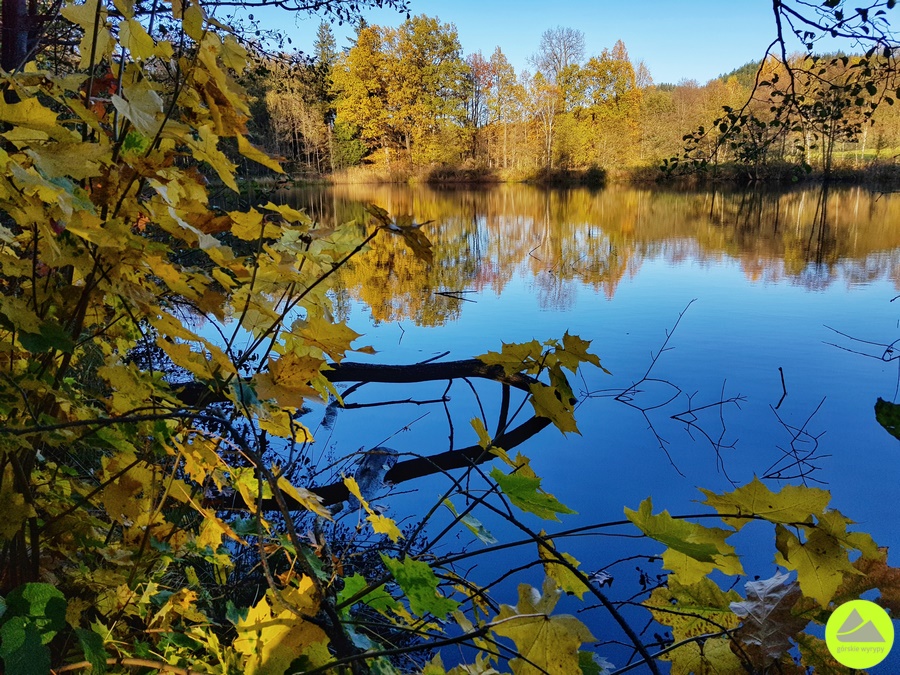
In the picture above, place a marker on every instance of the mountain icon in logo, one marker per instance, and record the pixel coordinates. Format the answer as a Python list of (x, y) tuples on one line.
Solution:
[(856, 629)]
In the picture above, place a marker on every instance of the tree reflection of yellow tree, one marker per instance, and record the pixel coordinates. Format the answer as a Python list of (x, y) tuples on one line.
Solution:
[(564, 240)]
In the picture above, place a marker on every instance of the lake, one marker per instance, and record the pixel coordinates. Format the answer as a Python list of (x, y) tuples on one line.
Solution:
[(773, 370)]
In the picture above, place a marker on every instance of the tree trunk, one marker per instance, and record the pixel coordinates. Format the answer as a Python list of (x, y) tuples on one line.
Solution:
[(16, 26), (505, 137)]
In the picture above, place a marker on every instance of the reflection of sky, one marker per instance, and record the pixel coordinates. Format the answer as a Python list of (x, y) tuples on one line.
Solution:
[(732, 339)]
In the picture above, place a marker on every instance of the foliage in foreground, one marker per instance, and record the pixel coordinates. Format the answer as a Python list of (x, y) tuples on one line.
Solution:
[(156, 356)]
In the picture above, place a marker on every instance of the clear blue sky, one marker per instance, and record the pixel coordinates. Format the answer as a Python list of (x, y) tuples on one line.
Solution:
[(677, 40)]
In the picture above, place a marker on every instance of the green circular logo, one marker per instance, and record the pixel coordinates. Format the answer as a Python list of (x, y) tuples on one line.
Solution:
[(859, 634)]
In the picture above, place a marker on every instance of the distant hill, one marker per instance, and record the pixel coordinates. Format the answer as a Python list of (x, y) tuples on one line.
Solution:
[(745, 74)]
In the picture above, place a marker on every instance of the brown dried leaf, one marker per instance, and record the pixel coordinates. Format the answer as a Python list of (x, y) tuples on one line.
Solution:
[(768, 623), (876, 573)]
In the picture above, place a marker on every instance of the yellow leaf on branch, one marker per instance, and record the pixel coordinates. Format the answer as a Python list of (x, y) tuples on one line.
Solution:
[(269, 639), (12, 505), (136, 39), (549, 643), (251, 152), (309, 500), (380, 524), (97, 41)]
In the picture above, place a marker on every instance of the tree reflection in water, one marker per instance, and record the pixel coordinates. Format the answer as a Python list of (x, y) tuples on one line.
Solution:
[(565, 239)]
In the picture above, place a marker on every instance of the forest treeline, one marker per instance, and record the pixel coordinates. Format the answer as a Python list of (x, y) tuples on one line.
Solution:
[(408, 102)]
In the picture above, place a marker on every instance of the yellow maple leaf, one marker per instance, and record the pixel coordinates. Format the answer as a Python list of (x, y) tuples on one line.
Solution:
[(251, 152), (791, 504), (549, 643), (96, 41), (206, 149), (548, 403), (820, 562), (142, 106), (309, 500), (250, 226), (287, 397), (380, 524), (332, 338), (282, 424), (712, 657), (192, 19), (136, 40), (688, 570), (295, 372), (693, 609), (561, 575), (12, 505), (270, 639)]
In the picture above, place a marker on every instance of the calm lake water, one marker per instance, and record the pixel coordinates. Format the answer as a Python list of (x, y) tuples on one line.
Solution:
[(765, 281)]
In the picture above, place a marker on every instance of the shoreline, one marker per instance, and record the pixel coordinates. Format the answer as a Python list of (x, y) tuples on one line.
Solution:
[(730, 175)]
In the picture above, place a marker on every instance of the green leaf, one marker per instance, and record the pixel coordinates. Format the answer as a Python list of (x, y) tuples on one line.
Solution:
[(887, 414), (234, 613), (378, 599), (588, 665), (314, 562), (135, 143), (693, 540), (21, 648), (94, 651), (42, 604), (418, 582), (525, 492), (52, 336), (792, 504), (474, 525)]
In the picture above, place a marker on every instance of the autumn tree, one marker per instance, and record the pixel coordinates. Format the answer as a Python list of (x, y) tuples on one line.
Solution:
[(404, 88), (479, 80), (559, 49), (429, 85), (503, 101), (612, 107), (556, 85), (299, 110), (360, 82), (544, 100), (820, 98)]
